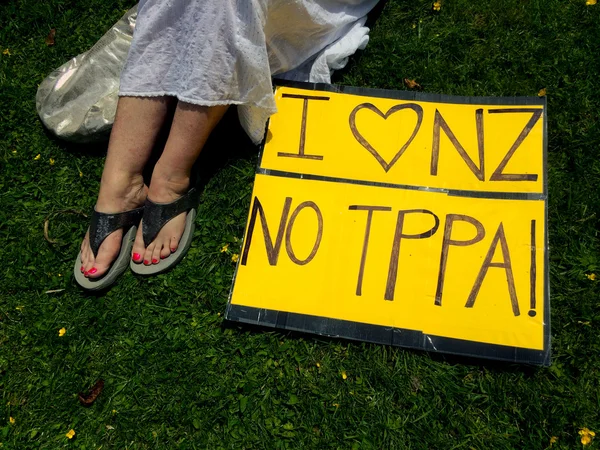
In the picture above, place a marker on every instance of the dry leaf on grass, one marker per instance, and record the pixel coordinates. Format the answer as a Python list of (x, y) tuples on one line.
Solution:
[(46, 225), (50, 37), (52, 216), (87, 400), (412, 84)]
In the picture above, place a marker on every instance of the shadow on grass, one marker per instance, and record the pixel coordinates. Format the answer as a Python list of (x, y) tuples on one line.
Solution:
[(227, 143)]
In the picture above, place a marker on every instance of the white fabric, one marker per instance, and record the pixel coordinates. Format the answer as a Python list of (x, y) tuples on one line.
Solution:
[(214, 52)]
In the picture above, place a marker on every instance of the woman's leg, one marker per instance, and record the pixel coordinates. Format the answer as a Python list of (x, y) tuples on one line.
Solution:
[(190, 129), (138, 122)]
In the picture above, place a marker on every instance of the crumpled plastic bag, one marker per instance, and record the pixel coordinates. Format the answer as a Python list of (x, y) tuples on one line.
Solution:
[(77, 102)]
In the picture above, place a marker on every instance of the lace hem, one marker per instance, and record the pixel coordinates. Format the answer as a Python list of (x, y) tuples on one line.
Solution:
[(179, 97)]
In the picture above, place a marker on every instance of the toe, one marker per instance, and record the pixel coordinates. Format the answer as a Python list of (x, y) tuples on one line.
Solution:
[(84, 249), (82, 260), (136, 257), (148, 254), (166, 250), (139, 249), (84, 242), (87, 260), (156, 253), (173, 244), (84, 255), (87, 256), (107, 253)]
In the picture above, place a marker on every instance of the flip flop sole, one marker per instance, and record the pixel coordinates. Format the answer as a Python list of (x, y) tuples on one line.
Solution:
[(118, 267), (174, 258)]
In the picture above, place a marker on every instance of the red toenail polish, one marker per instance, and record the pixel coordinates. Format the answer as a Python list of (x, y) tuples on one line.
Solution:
[(93, 270), (146, 262), (136, 256), (81, 269), (154, 260), (85, 272), (173, 250)]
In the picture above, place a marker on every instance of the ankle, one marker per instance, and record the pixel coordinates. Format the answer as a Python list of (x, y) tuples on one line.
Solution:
[(168, 184), (120, 191)]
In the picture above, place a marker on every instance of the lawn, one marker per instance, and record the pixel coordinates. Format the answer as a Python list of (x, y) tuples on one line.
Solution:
[(176, 375)]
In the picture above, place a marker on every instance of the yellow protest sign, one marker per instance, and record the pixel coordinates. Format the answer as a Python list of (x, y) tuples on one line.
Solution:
[(397, 218)]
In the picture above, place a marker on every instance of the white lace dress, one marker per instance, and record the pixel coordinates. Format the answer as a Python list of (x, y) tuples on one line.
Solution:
[(215, 52)]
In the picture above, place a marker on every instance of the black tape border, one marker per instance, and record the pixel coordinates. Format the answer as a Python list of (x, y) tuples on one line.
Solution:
[(411, 95), (379, 334), (450, 192), (396, 336)]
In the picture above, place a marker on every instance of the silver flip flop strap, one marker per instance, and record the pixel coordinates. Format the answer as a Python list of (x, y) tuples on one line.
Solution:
[(156, 215), (101, 225)]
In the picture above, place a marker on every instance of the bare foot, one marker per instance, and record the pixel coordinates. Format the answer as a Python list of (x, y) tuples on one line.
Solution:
[(163, 189), (118, 193)]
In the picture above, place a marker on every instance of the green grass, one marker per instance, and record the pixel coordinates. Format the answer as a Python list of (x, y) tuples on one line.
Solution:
[(177, 377)]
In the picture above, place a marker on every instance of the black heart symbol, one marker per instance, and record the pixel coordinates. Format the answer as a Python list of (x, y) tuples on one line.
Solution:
[(359, 137)]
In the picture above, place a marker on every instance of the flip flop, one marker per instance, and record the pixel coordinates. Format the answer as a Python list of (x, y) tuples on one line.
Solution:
[(156, 215), (101, 226)]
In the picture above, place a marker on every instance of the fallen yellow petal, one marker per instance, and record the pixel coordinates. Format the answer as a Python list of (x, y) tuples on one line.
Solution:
[(553, 440), (224, 249), (588, 2), (52, 161), (318, 365), (344, 376), (6, 52), (542, 92), (235, 257), (70, 434), (37, 157), (62, 331), (591, 276), (437, 6), (587, 435), (12, 420), (80, 174)]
